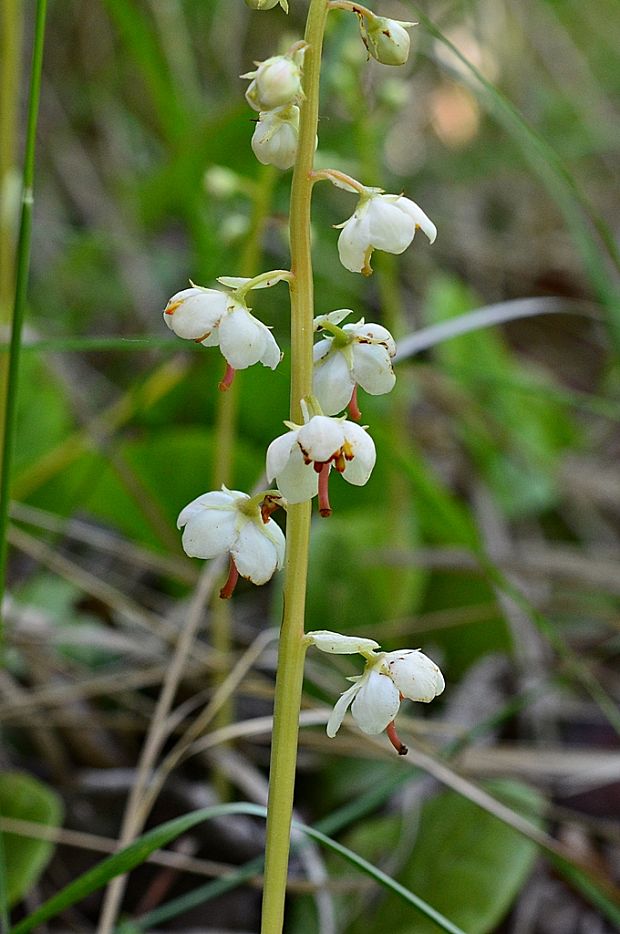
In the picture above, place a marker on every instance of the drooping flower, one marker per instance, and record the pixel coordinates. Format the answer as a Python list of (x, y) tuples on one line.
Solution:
[(216, 318), (380, 222), (388, 678), (301, 460), (228, 521), (276, 135), (387, 40), (356, 354), (276, 81)]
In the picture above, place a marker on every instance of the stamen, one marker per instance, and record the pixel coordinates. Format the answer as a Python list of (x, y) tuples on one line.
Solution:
[(354, 410), (324, 508), (172, 307), (233, 576), (229, 375), (395, 740), (339, 462), (269, 506)]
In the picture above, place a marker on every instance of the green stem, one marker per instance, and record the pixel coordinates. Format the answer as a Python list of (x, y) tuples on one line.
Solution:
[(21, 284), (289, 678)]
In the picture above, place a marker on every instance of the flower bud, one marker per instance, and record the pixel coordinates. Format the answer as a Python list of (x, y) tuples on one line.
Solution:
[(275, 83), (387, 40), (275, 138)]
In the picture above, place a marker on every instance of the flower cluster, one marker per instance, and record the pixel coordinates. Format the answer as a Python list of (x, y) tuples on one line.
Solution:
[(345, 357)]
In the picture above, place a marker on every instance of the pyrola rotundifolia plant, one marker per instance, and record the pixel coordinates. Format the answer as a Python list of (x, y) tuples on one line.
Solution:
[(323, 434)]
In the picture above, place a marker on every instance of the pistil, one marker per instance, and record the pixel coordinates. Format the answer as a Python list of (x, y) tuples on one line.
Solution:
[(233, 576), (353, 407), (395, 740), (226, 382), (324, 508)]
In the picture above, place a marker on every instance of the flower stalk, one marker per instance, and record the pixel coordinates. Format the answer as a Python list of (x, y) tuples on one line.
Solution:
[(291, 654)]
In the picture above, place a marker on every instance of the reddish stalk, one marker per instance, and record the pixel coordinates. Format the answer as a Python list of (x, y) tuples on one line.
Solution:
[(226, 382), (233, 576), (324, 508), (395, 740), (354, 409)]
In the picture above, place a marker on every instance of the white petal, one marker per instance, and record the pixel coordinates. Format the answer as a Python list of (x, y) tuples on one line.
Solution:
[(415, 675), (198, 313), (255, 554), (376, 704), (358, 470), (372, 332), (242, 337), (298, 482), (336, 644), (354, 243), (417, 215), (233, 282), (342, 705), (332, 383), (390, 229), (321, 438), (372, 368), (279, 452), (224, 499), (275, 534), (210, 533), (334, 317), (272, 354)]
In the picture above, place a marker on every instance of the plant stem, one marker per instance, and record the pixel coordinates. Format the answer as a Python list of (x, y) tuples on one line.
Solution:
[(291, 653), (21, 283)]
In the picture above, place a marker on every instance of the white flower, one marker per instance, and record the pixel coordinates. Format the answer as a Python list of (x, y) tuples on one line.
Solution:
[(301, 460), (387, 40), (275, 138), (276, 82), (380, 222), (356, 354), (215, 318), (227, 521), (388, 678)]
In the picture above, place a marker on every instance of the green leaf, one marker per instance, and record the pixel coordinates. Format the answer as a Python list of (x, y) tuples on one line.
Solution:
[(23, 797), (466, 862)]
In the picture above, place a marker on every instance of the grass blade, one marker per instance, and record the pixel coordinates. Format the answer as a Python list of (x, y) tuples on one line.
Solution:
[(135, 854), (21, 285)]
